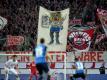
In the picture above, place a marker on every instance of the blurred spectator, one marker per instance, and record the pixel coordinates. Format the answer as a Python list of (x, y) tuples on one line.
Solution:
[(102, 68), (88, 14)]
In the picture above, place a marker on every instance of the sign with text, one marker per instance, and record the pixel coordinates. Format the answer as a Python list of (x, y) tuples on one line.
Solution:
[(14, 40), (90, 59)]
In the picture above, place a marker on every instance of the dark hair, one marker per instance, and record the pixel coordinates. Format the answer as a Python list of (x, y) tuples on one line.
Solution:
[(42, 40), (76, 59), (14, 56)]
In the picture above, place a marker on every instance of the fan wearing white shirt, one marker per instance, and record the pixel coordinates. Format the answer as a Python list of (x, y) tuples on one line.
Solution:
[(79, 70), (11, 66)]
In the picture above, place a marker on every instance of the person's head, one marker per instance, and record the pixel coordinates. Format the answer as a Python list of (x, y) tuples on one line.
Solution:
[(76, 59), (14, 57), (103, 64), (42, 40)]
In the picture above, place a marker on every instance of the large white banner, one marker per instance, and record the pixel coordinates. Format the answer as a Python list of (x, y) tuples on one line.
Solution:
[(53, 27)]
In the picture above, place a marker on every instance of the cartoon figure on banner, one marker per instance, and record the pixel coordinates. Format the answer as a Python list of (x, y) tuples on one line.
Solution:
[(55, 22)]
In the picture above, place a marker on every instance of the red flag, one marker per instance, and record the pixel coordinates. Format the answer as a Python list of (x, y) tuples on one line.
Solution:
[(14, 40)]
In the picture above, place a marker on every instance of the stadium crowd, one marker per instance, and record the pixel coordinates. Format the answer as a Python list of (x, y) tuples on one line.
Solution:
[(22, 16)]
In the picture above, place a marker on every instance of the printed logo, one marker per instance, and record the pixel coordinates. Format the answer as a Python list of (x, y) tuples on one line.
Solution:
[(80, 40)]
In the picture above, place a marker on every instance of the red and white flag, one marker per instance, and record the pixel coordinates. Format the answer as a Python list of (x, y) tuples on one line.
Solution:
[(81, 40), (14, 40)]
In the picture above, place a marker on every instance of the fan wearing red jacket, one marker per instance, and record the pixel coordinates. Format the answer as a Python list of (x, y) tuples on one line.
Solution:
[(33, 70)]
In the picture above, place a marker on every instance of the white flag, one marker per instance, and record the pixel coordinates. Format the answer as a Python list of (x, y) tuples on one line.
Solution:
[(3, 22)]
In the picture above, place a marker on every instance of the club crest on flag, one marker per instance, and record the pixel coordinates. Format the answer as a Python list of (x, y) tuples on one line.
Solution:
[(81, 38)]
